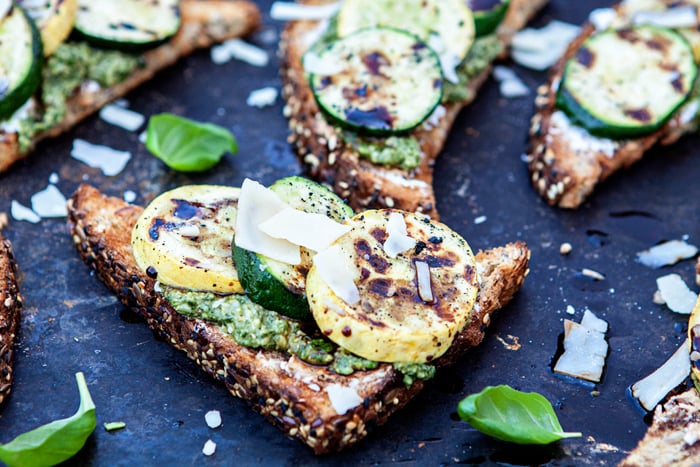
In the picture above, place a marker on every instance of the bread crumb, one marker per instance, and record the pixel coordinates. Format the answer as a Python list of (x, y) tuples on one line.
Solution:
[(565, 248)]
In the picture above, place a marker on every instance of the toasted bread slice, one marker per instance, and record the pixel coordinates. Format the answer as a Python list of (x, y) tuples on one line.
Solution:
[(674, 436), (292, 395), (565, 162), (10, 308), (329, 160), (204, 23)]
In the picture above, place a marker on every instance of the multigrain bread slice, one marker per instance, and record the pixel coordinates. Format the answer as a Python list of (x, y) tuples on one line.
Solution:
[(204, 23), (674, 436), (292, 395), (565, 162), (10, 309), (328, 159)]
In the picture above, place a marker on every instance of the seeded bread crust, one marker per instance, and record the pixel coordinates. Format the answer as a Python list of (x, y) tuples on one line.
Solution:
[(674, 436), (328, 159), (565, 172), (291, 394), (204, 23), (10, 310)]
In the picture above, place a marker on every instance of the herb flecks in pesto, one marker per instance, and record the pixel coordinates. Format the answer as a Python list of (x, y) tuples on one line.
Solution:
[(484, 51), (253, 326), (394, 151), (71, 65)]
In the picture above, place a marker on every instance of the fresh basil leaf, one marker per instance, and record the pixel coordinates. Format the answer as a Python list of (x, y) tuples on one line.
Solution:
[(186, 145), (54, 442), (514, 416)]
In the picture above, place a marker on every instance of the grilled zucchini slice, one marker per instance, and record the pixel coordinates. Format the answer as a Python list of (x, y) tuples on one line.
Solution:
[(627, 82), (392, 321), (488, 14), (183, 238), (129, 25), (450, 20), (387, 81), (54, 18), (21, 60), (280, 286)]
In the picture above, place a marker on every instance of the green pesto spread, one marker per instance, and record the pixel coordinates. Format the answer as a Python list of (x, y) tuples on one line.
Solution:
[(484, 51), (253, 326), (64, 71)]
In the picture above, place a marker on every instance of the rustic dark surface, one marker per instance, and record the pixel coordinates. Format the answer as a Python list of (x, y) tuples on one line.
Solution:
[(71, 323)]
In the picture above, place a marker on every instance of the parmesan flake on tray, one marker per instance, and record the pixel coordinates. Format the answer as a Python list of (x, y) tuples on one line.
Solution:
[(676, 294), (585, 348), (122, 117), (667, 253), (110, 161), (540, 48), (291, 11), (49, 202), (240, 50)]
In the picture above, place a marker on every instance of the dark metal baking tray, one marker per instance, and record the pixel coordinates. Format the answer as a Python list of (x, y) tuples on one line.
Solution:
[(72, 323)]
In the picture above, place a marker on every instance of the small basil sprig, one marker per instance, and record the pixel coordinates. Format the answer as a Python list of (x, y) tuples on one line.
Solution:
[(514, 416), (186, 145), (54, 442)]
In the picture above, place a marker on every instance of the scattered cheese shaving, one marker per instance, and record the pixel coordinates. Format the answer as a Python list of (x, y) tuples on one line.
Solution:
[(677, 17), (109, 161), (213, 418), (425, 287), (480, 220), (578, 139), (398, 240), (676, 294), (343, 398), (602, 18), (540, 48), (585, 348), (262, 97), (19, 212), (667, 253), (236, 48), (12, 124), (331, 268), (54, 178), (122, 117), (290, 11), (313, 231), (449, 61), (49, 202), (256, 204), (650, 390), (510, 83), (209, 448), (5, 6), (325, 66)]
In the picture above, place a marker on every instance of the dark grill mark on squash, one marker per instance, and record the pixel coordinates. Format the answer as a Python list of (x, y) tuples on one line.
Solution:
[(641, 115), (585, 57), (184, 209), (374, 61), (378, 118)]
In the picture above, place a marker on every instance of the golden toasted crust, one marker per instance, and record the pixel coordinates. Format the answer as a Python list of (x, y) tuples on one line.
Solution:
[(674, 436), (564, 171), (328, 159), (204, 23), (291, 394), (10, 309)]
